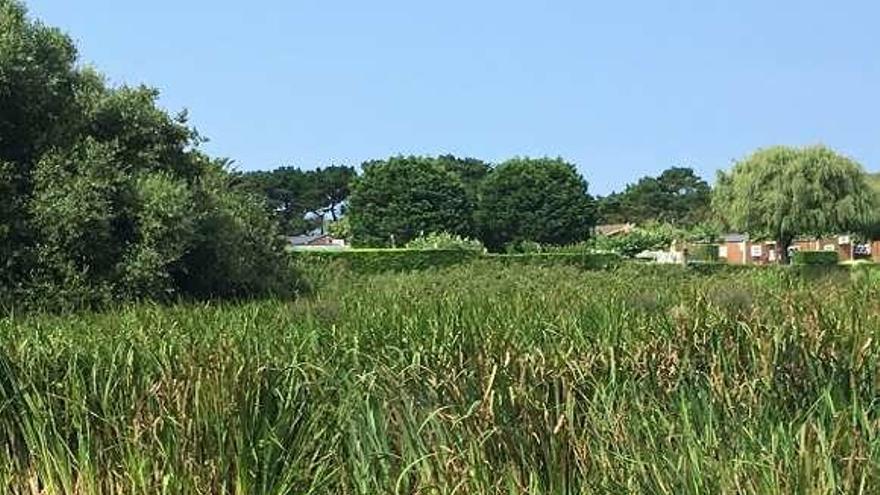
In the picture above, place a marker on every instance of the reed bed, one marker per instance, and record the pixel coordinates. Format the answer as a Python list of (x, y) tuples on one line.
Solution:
[(475, 379)]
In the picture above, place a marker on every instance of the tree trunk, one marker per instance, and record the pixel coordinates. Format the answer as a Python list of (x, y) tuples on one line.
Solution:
[(782, 250)]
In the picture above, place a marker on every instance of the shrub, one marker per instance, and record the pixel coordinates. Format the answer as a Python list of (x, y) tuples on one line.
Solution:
[(633, 243), (445, 241), (816, 258), (523, 247), (341, 229)]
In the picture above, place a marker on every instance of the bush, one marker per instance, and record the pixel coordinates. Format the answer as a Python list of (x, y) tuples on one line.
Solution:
[(523, 247), (637, 241), (815, 258), (368, 261), (445, 241)]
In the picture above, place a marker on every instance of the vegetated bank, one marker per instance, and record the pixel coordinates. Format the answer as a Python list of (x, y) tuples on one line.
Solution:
[(477, 378)]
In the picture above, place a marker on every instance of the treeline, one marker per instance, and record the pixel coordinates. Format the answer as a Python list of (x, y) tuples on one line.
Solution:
[(777, 194), (522, 200), (400, 198), (105, 197)]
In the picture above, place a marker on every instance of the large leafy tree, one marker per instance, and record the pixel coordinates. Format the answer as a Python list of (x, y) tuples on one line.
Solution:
[(397, 199), (542, 200), (470, 171), (780, 193), (677, 196), (39, 87), (106, 197)]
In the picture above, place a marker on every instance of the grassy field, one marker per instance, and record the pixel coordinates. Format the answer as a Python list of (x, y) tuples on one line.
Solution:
[(473, 379)]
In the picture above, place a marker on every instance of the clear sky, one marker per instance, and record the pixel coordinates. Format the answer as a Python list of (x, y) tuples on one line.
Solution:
[(622, 89)]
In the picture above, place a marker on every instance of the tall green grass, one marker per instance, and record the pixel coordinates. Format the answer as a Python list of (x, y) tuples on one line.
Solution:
[(473, 379)]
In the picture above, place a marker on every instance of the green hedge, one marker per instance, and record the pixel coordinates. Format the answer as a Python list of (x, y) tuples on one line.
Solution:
[(703, 252), (387, 260), (588, 261), (399, 260), (815, 258)]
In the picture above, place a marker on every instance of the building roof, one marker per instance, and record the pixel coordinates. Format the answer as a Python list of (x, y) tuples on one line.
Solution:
[(614, 228), (735, 237), (303, 240)]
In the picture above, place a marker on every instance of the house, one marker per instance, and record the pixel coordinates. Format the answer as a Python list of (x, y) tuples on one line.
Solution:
[(738, 249), (735, 249), (614, 229), (315, 241), (843, 244)]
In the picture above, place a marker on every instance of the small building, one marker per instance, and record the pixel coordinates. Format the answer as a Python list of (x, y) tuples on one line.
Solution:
[(738, 249), (315, 241), (734, 248), (843, 245)]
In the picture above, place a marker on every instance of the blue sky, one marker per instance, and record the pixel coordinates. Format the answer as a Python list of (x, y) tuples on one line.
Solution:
[(622, 89)]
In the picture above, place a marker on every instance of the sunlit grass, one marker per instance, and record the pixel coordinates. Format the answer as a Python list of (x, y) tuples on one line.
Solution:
[(474, 379)]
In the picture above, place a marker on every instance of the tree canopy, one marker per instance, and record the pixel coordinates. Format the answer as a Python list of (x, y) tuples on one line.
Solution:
[(780, 193), (543, 200), (398, 199), (677, 196), (106, 197), (301, 199)]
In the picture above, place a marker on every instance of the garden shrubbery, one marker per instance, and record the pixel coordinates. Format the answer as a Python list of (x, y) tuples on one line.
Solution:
[(366, 261), (815, 258), (445, 241)]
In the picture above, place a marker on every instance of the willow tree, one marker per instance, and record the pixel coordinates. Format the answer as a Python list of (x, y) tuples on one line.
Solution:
[(781, 192)]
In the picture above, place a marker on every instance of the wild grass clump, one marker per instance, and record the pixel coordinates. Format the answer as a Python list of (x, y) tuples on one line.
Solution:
[(478, 378)]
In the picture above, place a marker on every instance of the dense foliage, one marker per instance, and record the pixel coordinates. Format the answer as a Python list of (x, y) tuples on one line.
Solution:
[(445, 240), (302, 199), (677, 196), (652, 237), (369, 261), (398, 199), (542, 200), (470, 171), (473, 379), (821, 258), (780, 193), (105, 197)]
